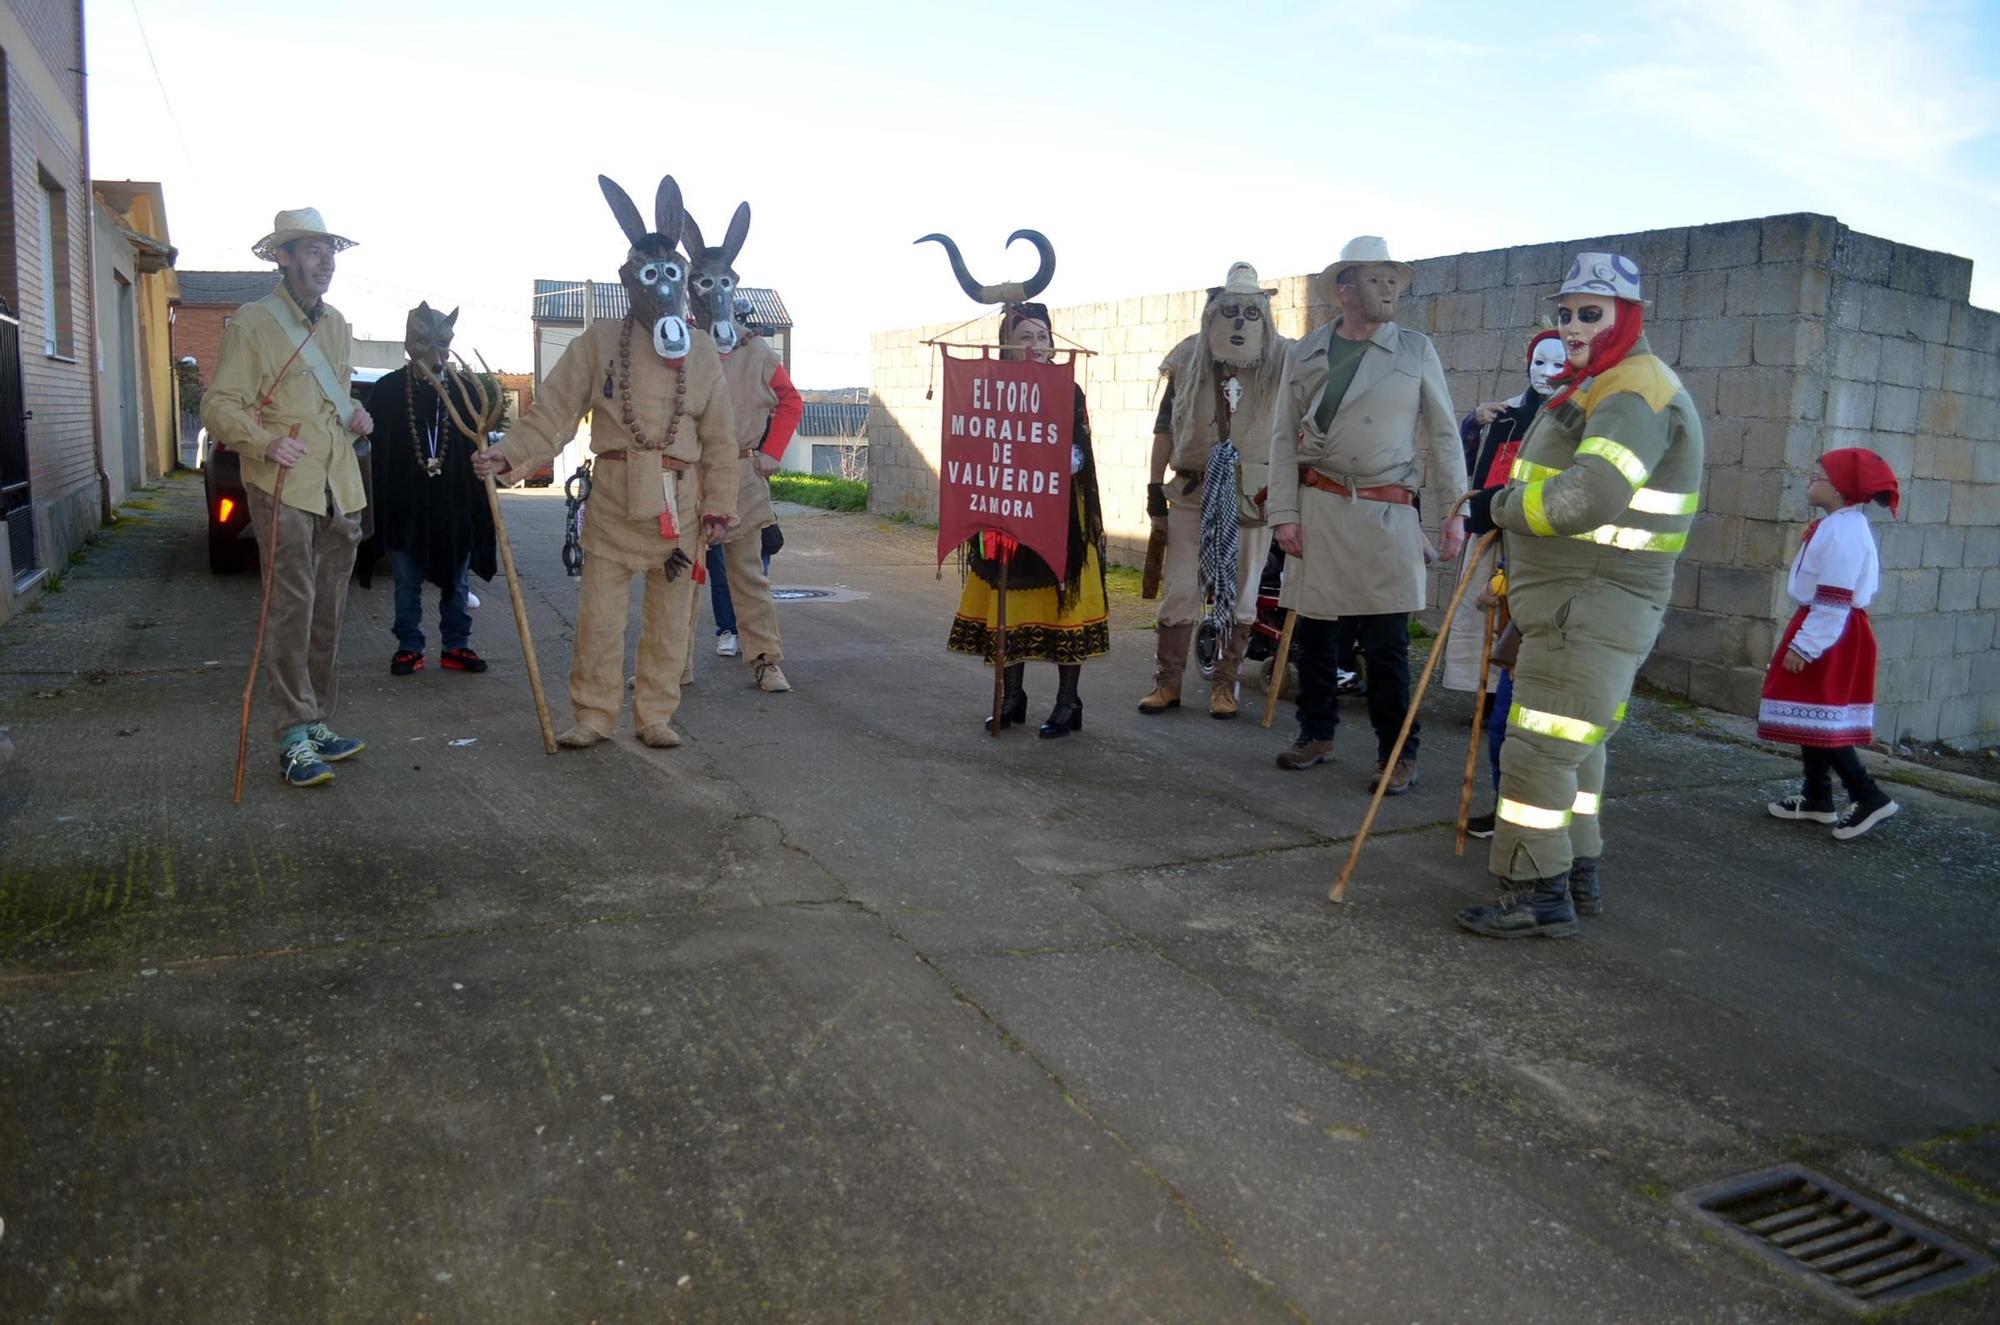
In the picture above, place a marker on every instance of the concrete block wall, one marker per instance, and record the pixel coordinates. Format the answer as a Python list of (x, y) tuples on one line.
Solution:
[(1794, 335)]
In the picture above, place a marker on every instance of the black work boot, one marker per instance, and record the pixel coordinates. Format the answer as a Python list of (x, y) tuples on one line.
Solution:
[(1585, 892), (1525, 910)]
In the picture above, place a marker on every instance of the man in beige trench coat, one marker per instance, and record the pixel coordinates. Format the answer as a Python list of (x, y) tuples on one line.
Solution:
[(1361, 406)]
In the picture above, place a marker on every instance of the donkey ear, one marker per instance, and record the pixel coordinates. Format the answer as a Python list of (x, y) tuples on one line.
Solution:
[(423, 306), (667, 211), (451, 318), (691, 235), (739, 230), (629, 220)]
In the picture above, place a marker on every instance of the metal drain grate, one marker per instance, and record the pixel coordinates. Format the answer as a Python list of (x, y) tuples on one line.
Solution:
[(1854, 1250)]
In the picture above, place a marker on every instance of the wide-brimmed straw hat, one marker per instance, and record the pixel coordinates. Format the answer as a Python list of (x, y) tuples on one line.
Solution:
[(1366, 251), (1242, 281), (302, 223)]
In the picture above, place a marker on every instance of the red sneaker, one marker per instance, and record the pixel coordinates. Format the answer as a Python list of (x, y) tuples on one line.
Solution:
[(461, 660), (405, 662)]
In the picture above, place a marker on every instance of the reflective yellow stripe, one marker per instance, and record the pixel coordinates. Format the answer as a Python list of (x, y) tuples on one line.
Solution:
[(1554, 724), (1527, 471), (1633, 540), (1531, 816), (1622, 458), (1655, 502), (1619, 716), (1587, 802), (1531, 509)]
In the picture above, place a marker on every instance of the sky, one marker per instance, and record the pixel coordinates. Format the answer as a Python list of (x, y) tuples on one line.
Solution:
[(1153, 143)]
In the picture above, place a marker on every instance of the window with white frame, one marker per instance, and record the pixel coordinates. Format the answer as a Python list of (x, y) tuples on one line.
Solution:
[(58, 332)]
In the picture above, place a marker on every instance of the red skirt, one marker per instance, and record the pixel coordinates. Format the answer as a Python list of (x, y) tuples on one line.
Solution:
[(1832, 702)]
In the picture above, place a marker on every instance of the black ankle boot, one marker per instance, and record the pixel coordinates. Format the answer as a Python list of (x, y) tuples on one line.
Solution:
[(1585, 892), (1525, 910), (1013, 700), (1067, 716)]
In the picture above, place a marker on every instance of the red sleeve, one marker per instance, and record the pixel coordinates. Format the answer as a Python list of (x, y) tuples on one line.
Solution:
[(785, 418)]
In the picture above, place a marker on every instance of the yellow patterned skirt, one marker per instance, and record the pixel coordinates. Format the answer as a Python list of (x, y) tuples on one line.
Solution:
[(1039, 629)]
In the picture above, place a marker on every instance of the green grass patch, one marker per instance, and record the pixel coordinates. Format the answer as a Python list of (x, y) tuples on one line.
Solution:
[(1124, 579), (904, 517), (821, 490)]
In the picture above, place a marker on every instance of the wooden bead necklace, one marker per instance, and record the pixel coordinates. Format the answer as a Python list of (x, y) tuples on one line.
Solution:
[(431, 463), (626, 414)]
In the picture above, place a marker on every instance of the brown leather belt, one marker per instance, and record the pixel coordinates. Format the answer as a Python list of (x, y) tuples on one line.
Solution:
[(1394, 494), (666, 461)]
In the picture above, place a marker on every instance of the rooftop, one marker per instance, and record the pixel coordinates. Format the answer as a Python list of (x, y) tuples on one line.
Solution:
[(226, 289), (824, 419)]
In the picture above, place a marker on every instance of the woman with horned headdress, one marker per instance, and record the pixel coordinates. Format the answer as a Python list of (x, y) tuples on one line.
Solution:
[(663, 441), (1053, 614)]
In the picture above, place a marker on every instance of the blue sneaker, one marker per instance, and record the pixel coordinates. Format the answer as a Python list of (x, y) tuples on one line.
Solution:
[(332, 749), (301, 766)]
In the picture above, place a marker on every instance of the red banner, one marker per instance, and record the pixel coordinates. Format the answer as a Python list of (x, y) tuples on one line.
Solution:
[(1004, 462)]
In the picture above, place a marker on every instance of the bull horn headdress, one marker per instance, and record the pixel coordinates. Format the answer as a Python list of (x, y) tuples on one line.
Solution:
[(1013, 292)]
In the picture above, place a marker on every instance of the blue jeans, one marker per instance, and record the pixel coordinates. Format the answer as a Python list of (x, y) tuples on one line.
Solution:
[(718, 591), (1496, 723), (454, 621)]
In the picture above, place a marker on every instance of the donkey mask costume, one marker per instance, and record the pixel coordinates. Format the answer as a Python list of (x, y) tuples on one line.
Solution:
[(767, 410), (663, 441)]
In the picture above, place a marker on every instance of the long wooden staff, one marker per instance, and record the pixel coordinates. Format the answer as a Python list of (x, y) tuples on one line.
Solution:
[(1338, 893), (488, 410), (1278, 664), (1478, 722), (263, 616), (1000, 643)]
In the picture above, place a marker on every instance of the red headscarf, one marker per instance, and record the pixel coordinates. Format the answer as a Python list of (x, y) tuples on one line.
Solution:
[(1857, 474), (1540, 336), (1607, 349)]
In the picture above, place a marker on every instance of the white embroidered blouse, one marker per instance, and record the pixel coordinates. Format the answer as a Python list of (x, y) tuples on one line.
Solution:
[(1836, 571)]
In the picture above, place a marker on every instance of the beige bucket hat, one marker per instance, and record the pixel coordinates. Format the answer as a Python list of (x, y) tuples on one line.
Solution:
[(301, 223), (1363, 251)]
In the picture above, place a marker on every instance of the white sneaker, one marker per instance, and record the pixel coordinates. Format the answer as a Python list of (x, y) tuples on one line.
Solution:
[(471, 598), (726, 645)]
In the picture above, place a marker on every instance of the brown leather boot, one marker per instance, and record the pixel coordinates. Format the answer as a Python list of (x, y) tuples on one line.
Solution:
[(1222, 682), (1169, 664)]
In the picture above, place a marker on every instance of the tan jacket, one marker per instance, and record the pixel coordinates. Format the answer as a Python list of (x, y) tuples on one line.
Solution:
[(1395, 428), (705, 440), (254, 347)]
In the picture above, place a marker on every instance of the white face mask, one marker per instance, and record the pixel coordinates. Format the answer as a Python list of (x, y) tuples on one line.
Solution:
[(1549, 359)]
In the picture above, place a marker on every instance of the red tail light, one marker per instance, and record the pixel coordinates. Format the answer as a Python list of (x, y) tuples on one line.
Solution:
[(224, 510)]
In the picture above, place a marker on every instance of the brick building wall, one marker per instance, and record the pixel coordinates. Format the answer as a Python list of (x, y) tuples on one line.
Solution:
[(40, 47), (198, 332), (1794, 334)]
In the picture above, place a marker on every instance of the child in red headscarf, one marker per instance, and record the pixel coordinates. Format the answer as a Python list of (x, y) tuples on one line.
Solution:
[(1819, 693)]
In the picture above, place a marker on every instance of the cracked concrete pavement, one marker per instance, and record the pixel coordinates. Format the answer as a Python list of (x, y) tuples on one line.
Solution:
[(844, 1011)]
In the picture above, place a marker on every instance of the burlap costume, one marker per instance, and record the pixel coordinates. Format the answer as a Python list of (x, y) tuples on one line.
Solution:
[(747, 372), (621, 536)]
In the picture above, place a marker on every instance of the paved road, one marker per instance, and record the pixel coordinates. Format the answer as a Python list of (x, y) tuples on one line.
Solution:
[(844, 1012)]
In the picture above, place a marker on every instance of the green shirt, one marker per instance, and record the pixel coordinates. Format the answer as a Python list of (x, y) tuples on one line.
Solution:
[(1343, 360)]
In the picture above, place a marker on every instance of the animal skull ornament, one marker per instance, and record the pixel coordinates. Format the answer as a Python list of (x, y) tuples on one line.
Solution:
[(654, 276), (1013, 292), (427, 336), (712, 278)]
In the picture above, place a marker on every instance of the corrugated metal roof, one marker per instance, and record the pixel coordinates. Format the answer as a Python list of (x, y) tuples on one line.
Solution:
[(226, 289), (833, 420), (562, 301)]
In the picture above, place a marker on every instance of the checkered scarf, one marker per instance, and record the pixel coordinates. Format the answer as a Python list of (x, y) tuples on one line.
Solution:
[(1218, 530)]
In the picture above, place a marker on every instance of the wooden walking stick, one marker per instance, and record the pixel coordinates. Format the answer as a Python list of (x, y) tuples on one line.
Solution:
[(1338, 893), (263, 617), (1278, 663), (1000, 643), (488, 408), (1478, 720)]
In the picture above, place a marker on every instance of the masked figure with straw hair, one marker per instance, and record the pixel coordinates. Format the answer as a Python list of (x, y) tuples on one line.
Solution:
[(663, 440), (1053, 614), (1222, 384)]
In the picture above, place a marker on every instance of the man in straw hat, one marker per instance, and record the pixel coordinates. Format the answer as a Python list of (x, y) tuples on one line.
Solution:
[(280, 400), (1596, 513), (1361, 408), (1222, 383)]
